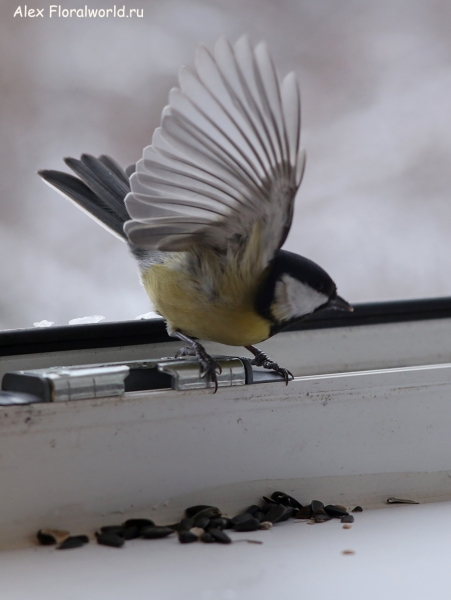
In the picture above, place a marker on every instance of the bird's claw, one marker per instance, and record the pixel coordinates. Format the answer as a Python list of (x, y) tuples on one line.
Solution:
[(210, 370), (263, 360), (209, 367), (286, 374)]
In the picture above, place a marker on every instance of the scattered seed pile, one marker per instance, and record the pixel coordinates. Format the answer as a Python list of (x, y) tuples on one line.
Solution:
[(206, 523)]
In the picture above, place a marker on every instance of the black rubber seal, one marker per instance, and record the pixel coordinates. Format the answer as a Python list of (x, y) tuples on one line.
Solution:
[(133, 333)]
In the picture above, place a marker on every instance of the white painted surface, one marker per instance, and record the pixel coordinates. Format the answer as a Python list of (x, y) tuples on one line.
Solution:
[(401, 553), (353, 437)]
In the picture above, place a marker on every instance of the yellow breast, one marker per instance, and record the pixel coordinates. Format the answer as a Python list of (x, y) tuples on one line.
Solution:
[(228, 318)]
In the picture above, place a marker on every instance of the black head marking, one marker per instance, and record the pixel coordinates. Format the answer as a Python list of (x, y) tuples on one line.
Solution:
[(298, 267)]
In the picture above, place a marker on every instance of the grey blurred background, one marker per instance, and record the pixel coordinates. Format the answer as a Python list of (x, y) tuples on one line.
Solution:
[(374, 208)]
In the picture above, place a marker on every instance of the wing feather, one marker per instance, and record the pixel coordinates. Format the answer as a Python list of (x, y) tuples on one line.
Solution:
[(255, 94), (226, 157), (161, 172), (241, 97), (195, 162), (291, 107), (270, 92), (221, 91)]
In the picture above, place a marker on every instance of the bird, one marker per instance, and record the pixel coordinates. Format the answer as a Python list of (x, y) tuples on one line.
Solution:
[(208, 207)]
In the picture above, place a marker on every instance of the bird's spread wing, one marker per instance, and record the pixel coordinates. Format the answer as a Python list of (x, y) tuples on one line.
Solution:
[(226, 156)]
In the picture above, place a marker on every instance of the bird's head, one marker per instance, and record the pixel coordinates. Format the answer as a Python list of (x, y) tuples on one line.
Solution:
[(295, 287)]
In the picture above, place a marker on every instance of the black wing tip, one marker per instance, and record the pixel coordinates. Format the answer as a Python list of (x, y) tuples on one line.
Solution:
[(46, 175), (50, 175), (71, 162), (87, 159)]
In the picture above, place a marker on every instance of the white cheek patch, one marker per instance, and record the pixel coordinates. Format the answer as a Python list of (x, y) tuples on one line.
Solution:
[(292, 299)]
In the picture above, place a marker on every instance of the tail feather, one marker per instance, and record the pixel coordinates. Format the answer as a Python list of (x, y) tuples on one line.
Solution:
[(100, 191), (115, 168), (102, 181), (130, 170)]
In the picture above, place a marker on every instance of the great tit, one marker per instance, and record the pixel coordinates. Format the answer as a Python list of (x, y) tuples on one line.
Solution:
[(209, 205)]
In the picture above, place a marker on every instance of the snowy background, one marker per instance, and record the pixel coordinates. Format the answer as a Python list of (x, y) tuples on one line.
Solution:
[(374, 208)]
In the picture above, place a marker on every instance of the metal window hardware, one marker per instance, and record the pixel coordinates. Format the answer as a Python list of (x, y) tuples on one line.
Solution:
[(60, 384), (185, 374)]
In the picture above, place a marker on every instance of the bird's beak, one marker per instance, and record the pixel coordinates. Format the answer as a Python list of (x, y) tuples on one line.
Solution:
[(340, 304)]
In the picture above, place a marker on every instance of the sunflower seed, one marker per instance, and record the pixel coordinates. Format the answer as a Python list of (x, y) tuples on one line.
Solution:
[(335, 511), (286, 500), (220, 536), (140, 523), (210, 513), (49, 537), (73, 541), (252, 509), (117, 529), (109, 538), (187, 537), (221, 523), (194, 510), (278, 513), (347, 519), (317, 507), (155, 533), (183, 525), (250, 524), (240, 518), (259, 515), (203, 522), (207, 538), (322, 518), (268, 500), (275, 513), (304, 513), (357, 509), (131, 533)]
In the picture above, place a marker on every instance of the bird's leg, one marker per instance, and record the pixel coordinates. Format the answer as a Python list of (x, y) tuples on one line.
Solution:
[(185, 351), (208, 366), (262, 360)]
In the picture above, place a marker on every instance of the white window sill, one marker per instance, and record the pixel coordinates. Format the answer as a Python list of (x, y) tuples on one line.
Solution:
[(401, 553)]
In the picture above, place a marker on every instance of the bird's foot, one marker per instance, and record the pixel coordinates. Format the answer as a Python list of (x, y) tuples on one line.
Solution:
[(209, 367), (262, 360)]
